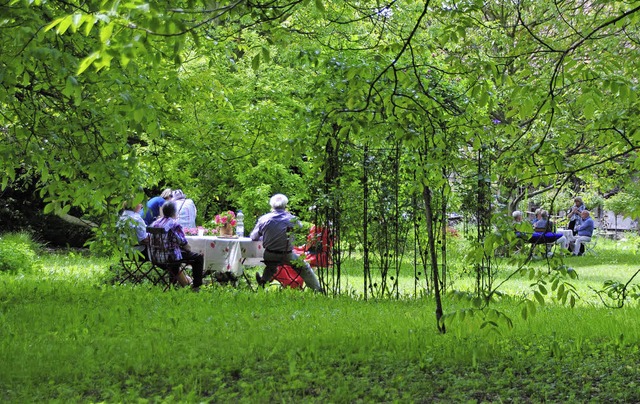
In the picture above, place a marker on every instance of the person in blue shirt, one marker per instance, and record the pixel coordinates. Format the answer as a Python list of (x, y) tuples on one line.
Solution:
[(584, 232), (154, 204), (543, 224), (275, 229), (536, 216), (544, 233), (130, 223)]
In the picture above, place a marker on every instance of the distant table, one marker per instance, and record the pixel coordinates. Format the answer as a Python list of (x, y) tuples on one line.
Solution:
[(568, 233), (227, 254)]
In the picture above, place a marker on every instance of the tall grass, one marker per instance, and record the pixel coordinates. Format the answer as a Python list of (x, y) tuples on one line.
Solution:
[(68, 336)]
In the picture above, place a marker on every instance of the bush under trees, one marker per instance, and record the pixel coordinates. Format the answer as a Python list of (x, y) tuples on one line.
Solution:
[(18, 253)]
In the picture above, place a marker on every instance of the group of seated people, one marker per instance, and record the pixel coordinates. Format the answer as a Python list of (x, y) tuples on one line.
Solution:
[(273, 229), (186, 208), (542, 230), (175, 250)]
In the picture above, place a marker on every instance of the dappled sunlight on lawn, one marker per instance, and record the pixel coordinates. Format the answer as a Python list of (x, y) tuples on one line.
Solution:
[(75, 265)]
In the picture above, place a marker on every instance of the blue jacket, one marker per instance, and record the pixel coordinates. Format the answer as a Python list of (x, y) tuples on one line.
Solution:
[(586, 228)]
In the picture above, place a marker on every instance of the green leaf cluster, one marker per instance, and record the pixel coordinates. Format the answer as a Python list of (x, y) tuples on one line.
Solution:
[(18, 253)]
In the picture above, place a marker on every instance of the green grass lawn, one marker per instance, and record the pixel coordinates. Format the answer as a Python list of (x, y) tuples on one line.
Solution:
[(612, 260), (66, 335)]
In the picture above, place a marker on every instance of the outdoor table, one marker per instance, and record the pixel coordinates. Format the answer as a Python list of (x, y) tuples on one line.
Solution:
[(567, 233), (222, 254)]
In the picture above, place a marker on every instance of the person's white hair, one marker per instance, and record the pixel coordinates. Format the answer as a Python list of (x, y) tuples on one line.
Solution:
[(278, 201), (516, 214), (166, 194)]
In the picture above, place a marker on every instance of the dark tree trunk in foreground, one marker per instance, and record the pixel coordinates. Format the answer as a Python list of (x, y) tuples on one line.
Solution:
[(431, 245)]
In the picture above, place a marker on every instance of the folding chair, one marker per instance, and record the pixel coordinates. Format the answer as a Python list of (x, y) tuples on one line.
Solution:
[(134, 266), (590, 246), (159, 254), (136, 269), (285, 276), (288, 277)]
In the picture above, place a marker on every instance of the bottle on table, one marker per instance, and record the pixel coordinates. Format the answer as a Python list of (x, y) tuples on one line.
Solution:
[(240, 224)]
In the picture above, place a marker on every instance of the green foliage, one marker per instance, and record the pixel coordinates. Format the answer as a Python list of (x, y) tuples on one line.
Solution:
[(18, 253), (625, 203), (234, 101)]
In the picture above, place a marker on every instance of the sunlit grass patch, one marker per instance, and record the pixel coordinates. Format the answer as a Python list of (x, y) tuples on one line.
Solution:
[(67, 335)]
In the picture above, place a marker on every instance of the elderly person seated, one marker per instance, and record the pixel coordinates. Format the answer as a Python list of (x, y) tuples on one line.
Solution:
[(177, 248), (584, 232), (543, 224), (543, 231), (130, 223), (517, 217), (186, 209), (521, 227), (536, 216), (275, 229)]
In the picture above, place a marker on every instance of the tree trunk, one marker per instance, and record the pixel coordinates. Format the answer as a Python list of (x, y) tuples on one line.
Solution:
[(431, 245)]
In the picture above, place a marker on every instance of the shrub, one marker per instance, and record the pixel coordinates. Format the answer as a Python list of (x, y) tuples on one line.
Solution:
[(18, 253)]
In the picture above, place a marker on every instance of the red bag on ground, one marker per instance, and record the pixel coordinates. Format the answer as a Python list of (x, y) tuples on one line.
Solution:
[(288, 277)]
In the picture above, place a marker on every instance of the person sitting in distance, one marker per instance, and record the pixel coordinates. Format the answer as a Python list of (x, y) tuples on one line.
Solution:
[(178, 248), (544, 232), (275, 228), (154, 204), (130, 220), (186, 209), (519, 225), (536, 216), (517, 216), (543, 225), (584, 232)]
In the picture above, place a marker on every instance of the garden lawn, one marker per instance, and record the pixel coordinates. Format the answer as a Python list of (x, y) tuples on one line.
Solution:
[(67, 336)]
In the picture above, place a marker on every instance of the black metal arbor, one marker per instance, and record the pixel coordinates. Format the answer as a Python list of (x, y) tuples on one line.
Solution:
[(377, 216)]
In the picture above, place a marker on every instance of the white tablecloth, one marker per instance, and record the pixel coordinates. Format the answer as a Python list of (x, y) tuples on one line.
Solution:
[(227, 254), (568, 233)]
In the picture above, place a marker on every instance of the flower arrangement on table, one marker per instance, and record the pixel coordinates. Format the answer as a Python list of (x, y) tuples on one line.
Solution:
[(222, 224), (195, 231), (225, 222)]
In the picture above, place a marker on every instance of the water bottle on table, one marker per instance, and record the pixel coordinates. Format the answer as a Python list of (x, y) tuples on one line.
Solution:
[(240, 224)]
